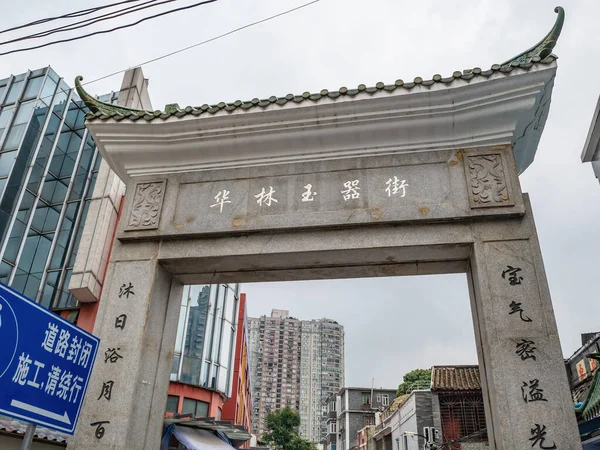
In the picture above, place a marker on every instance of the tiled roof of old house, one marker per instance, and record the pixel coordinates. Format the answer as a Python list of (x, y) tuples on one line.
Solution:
[(455, 378), (18, 427)]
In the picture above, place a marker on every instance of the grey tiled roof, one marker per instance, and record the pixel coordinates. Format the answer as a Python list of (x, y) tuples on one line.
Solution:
[(455, 378)]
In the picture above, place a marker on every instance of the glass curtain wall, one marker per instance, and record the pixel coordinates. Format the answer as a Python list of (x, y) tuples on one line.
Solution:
[(48, 170), (205, 342)]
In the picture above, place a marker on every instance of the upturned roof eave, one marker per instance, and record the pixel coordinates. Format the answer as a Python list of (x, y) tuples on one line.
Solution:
[(105, 111), (172, 112), (498, 110)]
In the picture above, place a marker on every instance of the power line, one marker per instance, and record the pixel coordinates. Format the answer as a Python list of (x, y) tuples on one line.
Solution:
[(80, 13), (200, 43), (91, 20), (205, 2), (207, 40)]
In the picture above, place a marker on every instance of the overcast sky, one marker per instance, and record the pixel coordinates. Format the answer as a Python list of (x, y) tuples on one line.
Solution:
[(396, 324)]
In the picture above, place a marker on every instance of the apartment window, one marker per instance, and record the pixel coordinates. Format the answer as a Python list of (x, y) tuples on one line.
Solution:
[(333, 427), (195, 407), (172, 403), (369, 419), (378, 398), (385, 400), (366, 398), (332, 406)]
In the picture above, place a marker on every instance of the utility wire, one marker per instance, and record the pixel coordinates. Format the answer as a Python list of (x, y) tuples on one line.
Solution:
[(206, 41), (205, 2), (199, 43), (80, 13), (89, 21)]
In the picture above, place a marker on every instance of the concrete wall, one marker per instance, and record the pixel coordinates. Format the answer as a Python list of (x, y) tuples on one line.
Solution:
[(405, 420), (424, 408), (357, 421)]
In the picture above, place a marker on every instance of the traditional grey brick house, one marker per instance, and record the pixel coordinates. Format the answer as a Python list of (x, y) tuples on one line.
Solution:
[(356, 408), (402, 426)]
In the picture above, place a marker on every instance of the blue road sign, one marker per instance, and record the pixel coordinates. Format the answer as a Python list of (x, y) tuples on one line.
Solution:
[(45, 363)]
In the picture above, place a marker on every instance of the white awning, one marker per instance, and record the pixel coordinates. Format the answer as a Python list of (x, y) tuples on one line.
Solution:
[(195, 439)]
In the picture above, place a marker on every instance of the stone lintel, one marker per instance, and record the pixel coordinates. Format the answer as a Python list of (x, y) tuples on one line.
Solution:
[(444, 185)]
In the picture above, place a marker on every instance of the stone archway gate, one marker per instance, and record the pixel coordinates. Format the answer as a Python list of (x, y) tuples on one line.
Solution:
[(401, 179)]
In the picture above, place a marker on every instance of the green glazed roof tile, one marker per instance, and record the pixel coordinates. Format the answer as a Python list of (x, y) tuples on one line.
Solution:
[(591, 406), (541, 53)]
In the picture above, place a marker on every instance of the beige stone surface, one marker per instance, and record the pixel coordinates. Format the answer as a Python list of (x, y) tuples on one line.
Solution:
[(482, 244)]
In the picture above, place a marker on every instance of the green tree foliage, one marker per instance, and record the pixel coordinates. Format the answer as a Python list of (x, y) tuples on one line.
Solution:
[(418, 378), (283, 431)]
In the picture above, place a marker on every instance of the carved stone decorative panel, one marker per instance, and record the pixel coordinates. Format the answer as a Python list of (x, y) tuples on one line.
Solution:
[(488, 184), (146, 206)]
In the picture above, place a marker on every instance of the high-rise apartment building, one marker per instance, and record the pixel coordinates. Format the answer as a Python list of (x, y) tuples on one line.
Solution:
[(296, 363), (321, 373)]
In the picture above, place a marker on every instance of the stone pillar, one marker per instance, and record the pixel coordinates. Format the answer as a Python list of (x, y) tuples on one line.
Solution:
[(521, 361), (98, 232), (136, 323)]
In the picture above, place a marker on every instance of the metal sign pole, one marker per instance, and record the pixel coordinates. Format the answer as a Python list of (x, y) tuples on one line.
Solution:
[(28, 438)]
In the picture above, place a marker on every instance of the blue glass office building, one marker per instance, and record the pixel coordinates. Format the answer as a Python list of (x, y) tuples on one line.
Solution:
[(48, 168)]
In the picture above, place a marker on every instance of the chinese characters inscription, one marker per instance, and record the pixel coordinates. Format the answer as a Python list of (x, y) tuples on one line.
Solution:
[(538, 436), (120, 321), (515, 307), (308, 195), (112, 355), (266, 197), (526, 349), (100, 430), (106, 390), (221, 198), (532, 392), (351, 191), (513, 277), (126, 290), (395, 186)]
